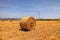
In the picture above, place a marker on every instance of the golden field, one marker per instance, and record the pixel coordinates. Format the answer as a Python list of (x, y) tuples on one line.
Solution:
[(44, 30)]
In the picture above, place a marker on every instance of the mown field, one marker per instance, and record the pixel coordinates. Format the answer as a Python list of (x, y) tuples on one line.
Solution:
[(44, 30)]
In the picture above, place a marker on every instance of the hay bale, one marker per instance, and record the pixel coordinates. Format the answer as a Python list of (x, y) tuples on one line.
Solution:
[(28, 23)]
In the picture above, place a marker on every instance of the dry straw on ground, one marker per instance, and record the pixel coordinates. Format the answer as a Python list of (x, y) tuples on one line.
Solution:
[(45, 30)]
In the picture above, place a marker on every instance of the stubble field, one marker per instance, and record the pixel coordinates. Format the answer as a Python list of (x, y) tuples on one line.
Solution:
[(44, 30)]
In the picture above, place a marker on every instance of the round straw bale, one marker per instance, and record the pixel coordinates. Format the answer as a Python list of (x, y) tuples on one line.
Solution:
[(28, 23)]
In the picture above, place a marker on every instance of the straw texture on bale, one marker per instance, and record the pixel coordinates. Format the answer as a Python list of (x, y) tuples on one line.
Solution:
[(28, 23), (52, 38)]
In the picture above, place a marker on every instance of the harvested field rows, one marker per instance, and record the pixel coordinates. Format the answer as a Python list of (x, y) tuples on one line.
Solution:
[(45, 30)]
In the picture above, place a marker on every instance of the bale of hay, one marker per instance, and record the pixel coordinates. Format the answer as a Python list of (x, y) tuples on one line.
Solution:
[(28, 23)]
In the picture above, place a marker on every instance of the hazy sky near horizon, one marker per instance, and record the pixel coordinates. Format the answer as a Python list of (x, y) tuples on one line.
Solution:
[(21, 8)]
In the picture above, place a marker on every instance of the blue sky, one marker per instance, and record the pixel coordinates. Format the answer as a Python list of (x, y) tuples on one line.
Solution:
[(22, 8)]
